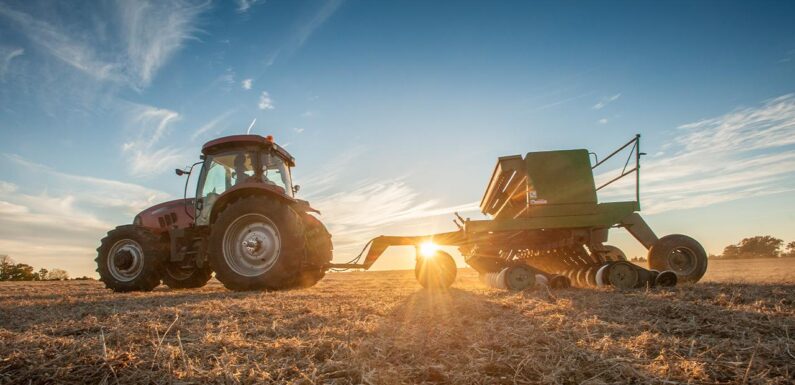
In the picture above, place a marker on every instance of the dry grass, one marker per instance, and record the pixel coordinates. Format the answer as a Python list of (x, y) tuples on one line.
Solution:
[(380, 328)]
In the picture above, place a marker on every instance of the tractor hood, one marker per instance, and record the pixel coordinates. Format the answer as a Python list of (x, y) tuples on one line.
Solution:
[(167, 215)]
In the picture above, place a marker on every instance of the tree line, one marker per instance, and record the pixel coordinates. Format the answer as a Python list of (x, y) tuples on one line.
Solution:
[(760, 246), (10, 271)]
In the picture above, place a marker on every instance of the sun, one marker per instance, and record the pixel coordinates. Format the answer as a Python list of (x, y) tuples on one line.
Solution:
[(428, 249)]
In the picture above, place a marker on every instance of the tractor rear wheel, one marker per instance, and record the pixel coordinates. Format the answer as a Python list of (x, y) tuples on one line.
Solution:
[(257, 243), (436, 272), (681, 254), (181, 277), (129, 258), (318, 253)]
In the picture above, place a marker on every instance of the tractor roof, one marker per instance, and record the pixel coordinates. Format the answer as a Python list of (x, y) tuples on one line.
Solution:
[(236, 141)]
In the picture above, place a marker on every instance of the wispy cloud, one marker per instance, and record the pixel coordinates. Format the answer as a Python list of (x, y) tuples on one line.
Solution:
[(7, 187), (357, 212), (149, 34), (322, 180), (362, 211), (245, 5), (602, 121), (562, 101), (148, 125), (55, 40), (265, 101), (154, 31), (304, 30), (742, 154), (247, 83), (227, 78), (605, 101), (6, 55), (324, 13), (97, 192), (55, 213), (298, 130), (211, 125)]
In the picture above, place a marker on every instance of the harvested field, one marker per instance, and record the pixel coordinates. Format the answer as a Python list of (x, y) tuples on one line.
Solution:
[(381, 328)]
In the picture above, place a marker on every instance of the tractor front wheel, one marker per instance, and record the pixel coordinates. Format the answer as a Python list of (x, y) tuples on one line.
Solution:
[(681, 254), (129, 259)]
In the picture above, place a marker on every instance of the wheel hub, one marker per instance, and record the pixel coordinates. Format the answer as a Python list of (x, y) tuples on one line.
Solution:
[(252, 244), (125, 260), (681, 260)]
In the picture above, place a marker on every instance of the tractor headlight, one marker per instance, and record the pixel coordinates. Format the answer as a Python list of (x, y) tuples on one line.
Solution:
[(138, 221)]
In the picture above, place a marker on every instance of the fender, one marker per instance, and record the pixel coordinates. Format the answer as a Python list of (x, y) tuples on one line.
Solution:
[(252, 188)]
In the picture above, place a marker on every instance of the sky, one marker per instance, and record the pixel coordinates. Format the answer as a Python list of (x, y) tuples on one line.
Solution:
[(395, 111)]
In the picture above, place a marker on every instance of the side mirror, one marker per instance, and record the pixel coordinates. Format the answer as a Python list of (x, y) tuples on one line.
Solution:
[(296, 188), (180, 172)]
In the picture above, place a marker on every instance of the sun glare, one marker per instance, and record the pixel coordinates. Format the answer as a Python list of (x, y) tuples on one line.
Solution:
[(428, 249)]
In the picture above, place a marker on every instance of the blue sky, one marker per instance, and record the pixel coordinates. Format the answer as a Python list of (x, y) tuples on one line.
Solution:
[(395, 111)]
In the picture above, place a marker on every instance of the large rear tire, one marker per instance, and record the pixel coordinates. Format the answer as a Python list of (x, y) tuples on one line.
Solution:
[(319, 251), (130, 258), (180, 277), (257, 243), (681, 254)]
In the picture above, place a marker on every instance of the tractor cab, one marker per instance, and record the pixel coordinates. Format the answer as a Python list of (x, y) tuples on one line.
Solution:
[(241, 162)]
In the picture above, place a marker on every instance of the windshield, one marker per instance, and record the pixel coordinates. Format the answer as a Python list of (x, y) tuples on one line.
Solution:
[(223, 171), (275, 171), (228, 169)]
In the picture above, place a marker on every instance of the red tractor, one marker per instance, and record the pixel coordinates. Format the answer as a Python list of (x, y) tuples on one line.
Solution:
[(244, 224)]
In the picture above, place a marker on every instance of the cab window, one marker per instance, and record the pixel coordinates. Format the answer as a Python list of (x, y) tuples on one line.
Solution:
[(276, 172), (223, 171)]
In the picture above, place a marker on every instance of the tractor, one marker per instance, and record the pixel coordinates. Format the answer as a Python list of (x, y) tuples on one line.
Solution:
[(244, 224)]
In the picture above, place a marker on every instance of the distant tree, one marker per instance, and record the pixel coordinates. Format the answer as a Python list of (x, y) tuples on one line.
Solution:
[(731, 252), (21, 272), (790, 250), (10, 271), (5, 267), (638, 259), (58, 275), (754, 247), (41, 275)]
